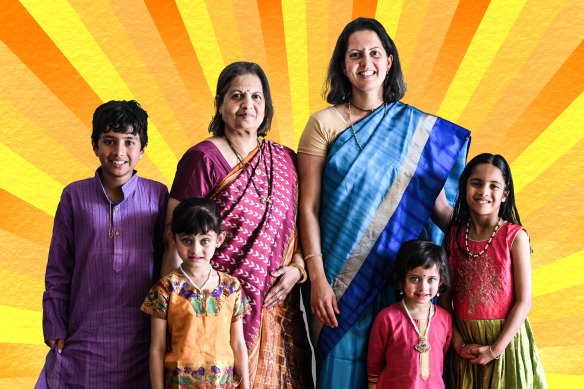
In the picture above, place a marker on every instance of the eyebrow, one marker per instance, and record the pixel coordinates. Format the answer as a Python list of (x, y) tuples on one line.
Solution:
[(375, 47), (247, 90)]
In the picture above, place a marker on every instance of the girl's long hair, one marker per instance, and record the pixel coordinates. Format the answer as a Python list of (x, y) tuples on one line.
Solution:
[(461, 211)]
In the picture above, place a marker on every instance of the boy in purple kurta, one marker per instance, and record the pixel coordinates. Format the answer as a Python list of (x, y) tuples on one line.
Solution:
[(104, 257)]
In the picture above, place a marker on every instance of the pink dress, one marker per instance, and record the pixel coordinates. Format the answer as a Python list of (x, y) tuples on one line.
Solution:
[(391, 357)]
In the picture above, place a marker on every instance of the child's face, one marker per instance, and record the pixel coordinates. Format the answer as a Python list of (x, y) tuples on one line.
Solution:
[(421, 285), (196, 250), (118, 154), (485, 190)]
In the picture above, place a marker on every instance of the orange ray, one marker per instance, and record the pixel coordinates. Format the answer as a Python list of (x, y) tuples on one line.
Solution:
[(23, 298), (555, 306), (509, 59), (22, 360), (173, 32), (273, 31), (431, 38), (17, 216), (544, 63), (407, 35), (465, 22), (364, 8), (563, 88), (340, 13), (24, 258), (169, 104), (21, 33), (563, 359)]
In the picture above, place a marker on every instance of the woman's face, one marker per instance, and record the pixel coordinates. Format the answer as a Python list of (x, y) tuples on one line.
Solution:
[(366, 62), (243, 105)]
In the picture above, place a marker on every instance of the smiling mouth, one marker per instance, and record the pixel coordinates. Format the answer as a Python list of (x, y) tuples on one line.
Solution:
[(367, 73), (118, 163)]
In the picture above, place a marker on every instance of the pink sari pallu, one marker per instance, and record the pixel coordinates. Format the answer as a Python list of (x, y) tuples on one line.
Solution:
[(259, 216)]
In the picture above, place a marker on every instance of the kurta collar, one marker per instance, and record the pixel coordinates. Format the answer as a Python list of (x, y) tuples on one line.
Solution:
[(127, 189)]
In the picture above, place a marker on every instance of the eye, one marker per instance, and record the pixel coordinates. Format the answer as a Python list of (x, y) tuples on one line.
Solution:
[(108, 141), (431, 280), (354, 55), (186, 241), (236, 95), (205, 241), (130, 143), (257, 96), (375, 53), (414, 279)]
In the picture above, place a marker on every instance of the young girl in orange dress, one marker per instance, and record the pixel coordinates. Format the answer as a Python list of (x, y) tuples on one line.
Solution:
[(202, 309), (489, 253)]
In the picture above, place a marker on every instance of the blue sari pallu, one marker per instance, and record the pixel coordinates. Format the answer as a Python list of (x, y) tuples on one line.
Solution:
[(373, 200)]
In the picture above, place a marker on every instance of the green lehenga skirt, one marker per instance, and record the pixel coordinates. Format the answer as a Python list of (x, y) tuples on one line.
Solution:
[(519, 365)]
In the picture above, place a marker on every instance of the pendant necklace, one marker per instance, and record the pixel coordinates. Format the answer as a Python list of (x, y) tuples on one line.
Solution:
[(257, 171), (470, 253), (199, 294), (423, 346)]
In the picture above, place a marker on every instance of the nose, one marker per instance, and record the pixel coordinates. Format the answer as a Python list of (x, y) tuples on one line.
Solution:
[(247, 100), (120, 148), (365, 60)]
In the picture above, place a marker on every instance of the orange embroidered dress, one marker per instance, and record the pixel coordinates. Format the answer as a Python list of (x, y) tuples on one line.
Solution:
[(200, 353)]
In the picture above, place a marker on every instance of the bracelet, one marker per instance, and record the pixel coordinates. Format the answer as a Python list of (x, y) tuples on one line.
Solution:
[(307, 257), (302, 272), (493, 355)]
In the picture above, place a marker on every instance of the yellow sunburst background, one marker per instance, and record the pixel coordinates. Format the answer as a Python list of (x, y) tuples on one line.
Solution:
[(510, 71)]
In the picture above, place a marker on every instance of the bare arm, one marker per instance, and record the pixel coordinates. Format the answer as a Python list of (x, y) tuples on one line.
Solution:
[(442, 211), (287, 276), (323, 302), (170, 259), (520, 252), (157, 351), (240, 353)]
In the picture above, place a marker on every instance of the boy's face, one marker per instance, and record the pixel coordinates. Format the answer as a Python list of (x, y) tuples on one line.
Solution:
[(118, 154)]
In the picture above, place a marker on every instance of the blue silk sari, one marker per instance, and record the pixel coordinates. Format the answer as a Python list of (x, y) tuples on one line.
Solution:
[(373, 200)]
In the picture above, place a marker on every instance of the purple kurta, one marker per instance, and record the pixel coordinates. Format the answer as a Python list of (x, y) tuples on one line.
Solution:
[(98, 272)]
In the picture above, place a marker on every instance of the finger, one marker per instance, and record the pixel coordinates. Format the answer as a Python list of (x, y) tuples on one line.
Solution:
[(335, 306), (331, 314), (60, 345), (277, 272), (321, 313)]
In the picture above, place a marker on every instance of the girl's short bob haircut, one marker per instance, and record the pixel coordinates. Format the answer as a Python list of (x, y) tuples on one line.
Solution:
[(195, 216), (415, 253), (338, 88), (217, 125)]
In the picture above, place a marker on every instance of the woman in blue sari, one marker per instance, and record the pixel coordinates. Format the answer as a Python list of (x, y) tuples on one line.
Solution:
[(374, 173)]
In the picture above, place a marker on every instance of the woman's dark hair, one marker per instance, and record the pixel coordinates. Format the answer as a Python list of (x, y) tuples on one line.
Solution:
[(217, 125), (195, 216), (415, 253), (337, 87), (461, 211), (122, 117)]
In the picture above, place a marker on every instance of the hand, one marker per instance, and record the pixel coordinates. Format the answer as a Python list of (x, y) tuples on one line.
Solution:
[(468, 351), (60, 344), (323, 302), (482, 355), (288, 277)]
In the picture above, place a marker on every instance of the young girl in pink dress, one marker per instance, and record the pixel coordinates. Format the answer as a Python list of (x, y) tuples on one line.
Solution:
[(409, 339), (489, 253)]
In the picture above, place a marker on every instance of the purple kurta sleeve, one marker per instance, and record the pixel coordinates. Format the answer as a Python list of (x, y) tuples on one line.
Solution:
[(59, 272)]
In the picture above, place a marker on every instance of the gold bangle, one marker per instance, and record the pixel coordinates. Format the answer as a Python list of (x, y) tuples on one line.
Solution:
[(307, 257), (302, 272)]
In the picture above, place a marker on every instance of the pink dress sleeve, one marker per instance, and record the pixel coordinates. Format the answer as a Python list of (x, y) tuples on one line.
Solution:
[(377, 348), (199, 171)]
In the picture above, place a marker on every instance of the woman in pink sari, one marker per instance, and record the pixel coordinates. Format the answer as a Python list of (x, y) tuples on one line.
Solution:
[(253, 182)]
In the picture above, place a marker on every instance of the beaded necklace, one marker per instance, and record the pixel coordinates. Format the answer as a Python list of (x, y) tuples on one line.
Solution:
[(200, 295), (470, 253)]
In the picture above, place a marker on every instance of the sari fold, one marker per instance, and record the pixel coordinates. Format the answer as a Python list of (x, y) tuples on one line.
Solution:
[(374, 200), (261, 237)]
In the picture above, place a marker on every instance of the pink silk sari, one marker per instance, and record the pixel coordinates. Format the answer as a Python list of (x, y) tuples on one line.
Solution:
[(261, 237)]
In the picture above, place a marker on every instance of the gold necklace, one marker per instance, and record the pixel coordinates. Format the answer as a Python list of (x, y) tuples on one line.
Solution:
[(473, 255), (364, 110)]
